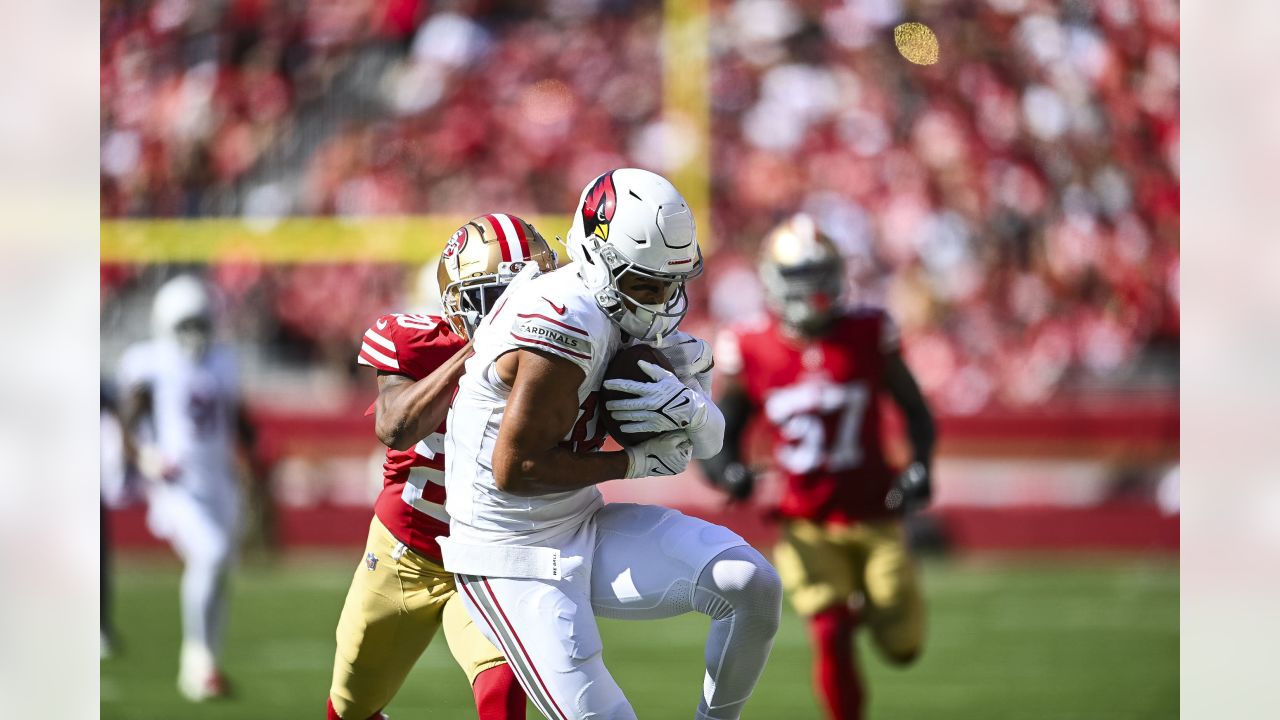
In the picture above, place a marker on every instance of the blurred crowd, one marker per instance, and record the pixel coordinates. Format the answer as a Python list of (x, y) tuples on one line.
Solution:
[(1016, 205), (364, 107)]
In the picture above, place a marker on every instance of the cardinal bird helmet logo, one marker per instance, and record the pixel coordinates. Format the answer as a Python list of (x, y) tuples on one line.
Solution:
[(598, 207)]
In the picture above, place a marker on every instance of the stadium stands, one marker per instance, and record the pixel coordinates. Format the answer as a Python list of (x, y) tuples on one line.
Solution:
[(1016, 205)]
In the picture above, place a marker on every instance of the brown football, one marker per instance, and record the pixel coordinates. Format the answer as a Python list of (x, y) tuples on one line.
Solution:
[(626, 365)]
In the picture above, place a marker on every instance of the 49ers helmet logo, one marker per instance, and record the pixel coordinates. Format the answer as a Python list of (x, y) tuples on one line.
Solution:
[(598, 207), (456, 242)]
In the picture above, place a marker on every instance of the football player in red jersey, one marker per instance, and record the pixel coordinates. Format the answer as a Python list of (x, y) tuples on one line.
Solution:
[(815, 370), (401, 594)]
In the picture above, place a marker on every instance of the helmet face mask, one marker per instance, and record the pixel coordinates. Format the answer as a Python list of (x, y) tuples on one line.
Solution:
[(195, 334), (644, 320), (468, 301), (634, 224), (805, 298), (480, 260)]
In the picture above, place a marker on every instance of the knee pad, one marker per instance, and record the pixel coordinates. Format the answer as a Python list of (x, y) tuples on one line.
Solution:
[(740, 582)]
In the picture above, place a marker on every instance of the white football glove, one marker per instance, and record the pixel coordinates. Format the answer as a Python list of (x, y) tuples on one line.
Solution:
[(666, 405), (667, 454), (692, 359)]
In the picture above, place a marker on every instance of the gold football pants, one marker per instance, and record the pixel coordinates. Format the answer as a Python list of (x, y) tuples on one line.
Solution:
[(396, 603), (825, 566)]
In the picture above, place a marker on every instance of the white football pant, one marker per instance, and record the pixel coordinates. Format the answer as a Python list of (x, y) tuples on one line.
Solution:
[(632, 562), (203, 532)]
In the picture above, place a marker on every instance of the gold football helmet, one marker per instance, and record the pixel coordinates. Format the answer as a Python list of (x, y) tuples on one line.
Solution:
[(480, 259), (803, 274)]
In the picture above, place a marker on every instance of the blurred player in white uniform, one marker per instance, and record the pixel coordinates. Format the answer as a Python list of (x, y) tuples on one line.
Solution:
[(182, 422), (537, 552)]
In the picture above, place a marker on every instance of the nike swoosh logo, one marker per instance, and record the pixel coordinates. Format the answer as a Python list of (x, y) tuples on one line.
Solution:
[(382, 324), (560, 309), (661, 467)]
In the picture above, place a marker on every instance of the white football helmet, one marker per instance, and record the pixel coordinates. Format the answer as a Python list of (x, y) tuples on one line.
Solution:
[(802, 273), (183, 312), (633, 221)]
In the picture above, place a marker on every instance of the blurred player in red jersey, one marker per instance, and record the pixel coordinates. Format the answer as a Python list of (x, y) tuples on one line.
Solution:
[(816, 370), (401, 594)]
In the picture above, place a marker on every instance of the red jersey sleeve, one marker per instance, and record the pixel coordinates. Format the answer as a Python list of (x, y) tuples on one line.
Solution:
[(412, 345)]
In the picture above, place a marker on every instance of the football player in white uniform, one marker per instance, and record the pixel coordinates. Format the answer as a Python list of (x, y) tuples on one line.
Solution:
[(537, 552), (182, 423)]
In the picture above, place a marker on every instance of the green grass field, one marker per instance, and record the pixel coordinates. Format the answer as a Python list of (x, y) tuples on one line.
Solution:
[(1089, 638)]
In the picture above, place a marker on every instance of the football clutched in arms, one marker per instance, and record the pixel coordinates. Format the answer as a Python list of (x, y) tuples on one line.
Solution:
[(626, 366)]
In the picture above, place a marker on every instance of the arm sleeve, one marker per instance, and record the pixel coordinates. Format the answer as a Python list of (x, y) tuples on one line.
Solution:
[(736, 414), (709, 439)]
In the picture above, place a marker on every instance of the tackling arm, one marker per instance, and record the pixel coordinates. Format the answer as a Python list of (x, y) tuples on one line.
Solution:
[(541, 410), (409, 410), (726, 470)]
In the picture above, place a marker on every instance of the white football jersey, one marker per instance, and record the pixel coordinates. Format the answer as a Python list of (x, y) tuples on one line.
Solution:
[(193, 409), (553, 313)]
